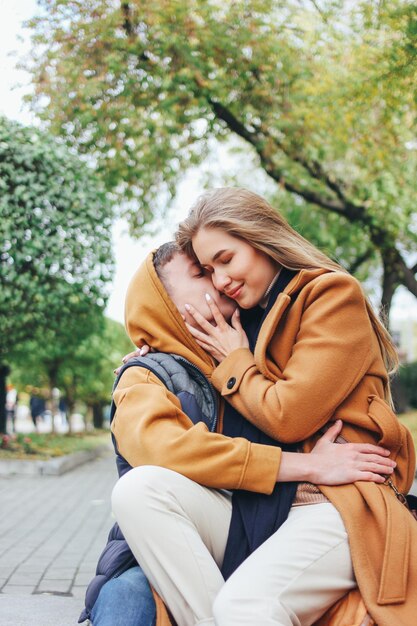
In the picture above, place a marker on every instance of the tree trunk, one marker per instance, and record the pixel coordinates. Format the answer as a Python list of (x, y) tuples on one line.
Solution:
[(390, 282), (98, 415), (4, 372), (53, 376)]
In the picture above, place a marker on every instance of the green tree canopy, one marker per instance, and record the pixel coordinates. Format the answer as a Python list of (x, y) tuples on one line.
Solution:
[(82, 372), (88, 377), (322, 93), (55, 238)]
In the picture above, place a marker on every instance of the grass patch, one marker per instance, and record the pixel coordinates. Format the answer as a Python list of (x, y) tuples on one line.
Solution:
[(46, 446), (409, 419)]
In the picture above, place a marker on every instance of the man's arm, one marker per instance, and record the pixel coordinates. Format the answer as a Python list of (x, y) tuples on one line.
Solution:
[(151, 429)]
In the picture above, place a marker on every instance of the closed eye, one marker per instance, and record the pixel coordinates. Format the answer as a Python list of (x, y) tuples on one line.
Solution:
[(201, 274)]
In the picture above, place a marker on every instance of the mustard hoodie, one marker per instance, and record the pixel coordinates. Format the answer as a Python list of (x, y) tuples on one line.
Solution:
[(148, 413)]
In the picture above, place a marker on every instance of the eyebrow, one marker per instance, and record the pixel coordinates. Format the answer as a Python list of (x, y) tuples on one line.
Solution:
[(219, 253), (216, 256)]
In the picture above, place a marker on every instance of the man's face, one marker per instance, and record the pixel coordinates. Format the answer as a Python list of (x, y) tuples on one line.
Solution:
[(187, 283)]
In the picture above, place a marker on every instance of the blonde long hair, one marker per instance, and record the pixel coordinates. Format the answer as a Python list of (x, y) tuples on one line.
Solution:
[(250, 217)]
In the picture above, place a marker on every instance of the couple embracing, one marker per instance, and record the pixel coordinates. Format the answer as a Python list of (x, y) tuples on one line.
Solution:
[(233, 504)]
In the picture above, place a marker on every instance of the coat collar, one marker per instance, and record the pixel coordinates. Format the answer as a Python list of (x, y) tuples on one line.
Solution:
[(268, 368)]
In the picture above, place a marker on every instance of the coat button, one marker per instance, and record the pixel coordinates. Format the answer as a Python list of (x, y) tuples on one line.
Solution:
[(231, 383)]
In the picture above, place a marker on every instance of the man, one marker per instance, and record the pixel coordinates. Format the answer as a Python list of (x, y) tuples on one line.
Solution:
[(126, 600)]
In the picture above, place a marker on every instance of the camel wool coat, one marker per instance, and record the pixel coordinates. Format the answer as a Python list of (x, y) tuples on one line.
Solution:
[(317, 359)]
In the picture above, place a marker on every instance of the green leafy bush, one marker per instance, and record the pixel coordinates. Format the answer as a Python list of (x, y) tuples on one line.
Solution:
[(408, 380)]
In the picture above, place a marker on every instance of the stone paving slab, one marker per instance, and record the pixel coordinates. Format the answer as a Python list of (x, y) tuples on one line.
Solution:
[(39, 610), (52, 530)]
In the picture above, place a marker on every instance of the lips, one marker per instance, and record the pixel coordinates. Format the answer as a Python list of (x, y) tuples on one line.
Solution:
[(234, 292)]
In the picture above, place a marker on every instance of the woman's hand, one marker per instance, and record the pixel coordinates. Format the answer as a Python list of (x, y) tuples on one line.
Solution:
[(339, 464), (331, 463), (220, 340), (138, 352)]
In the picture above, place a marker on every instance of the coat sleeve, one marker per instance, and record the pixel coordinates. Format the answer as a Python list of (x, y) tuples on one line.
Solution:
[(151, 429), (331, 353)]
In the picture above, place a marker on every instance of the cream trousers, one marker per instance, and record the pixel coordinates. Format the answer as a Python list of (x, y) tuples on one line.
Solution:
[(177, 530)]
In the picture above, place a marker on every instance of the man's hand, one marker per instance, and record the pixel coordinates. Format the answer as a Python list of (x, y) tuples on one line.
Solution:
[(138, 352), (338, 464), (331, 463)]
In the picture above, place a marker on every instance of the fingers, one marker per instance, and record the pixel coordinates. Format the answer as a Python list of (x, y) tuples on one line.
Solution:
[(371, 477), (373, 468), (235, 321), (197, 334), (217, 315), (332, 433), (210, 349), (131, 355), (201, 321), (374, 463), (138, 352), (380, 460), (365, 465), (370, 448)]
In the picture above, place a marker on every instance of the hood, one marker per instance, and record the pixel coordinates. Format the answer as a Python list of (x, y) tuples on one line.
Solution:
[(152, 318)]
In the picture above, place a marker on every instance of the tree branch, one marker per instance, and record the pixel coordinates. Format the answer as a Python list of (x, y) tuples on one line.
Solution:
[(410, 280), (365, 256), (315, 170), (319, 11), (257, 142), (127, 21)]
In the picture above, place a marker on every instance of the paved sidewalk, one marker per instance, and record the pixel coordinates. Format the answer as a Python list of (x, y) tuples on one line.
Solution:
[(52, 530)]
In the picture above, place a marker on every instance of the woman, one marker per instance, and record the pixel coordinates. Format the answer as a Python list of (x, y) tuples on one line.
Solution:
[(320, 354)]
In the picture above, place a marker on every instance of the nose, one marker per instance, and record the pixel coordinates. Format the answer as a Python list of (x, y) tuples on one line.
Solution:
[(220, 280)]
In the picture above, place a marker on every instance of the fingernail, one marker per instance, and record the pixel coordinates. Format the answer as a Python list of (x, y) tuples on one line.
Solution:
[(187, 306), (208, 297), (124, 360), (141, 352)]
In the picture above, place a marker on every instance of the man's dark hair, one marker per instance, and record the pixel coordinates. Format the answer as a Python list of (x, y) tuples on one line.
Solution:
[(163, 255)]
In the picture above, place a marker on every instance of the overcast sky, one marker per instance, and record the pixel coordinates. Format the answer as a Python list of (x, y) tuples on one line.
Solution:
[(128, 253)]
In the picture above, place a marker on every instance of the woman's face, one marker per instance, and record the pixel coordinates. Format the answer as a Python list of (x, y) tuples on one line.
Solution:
[(237, 269)]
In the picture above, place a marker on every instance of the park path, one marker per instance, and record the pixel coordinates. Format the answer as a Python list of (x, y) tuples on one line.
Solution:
[(52, 530)]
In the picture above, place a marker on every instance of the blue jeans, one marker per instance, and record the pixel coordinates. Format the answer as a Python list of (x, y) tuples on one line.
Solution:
[(125, 601)]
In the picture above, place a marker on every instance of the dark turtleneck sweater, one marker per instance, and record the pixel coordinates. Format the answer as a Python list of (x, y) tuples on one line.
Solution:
[(255, 516)]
